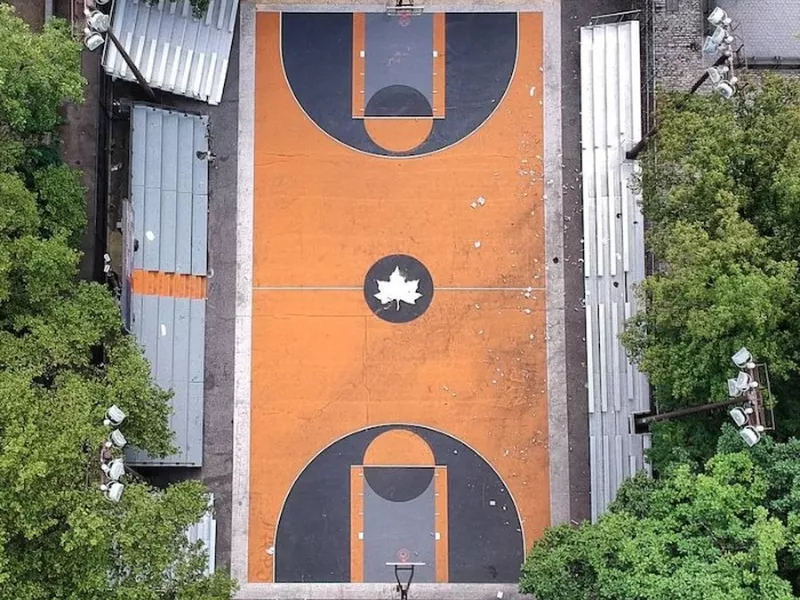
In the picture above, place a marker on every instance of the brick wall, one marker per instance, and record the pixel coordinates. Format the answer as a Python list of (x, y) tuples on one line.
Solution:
[(678, 33)]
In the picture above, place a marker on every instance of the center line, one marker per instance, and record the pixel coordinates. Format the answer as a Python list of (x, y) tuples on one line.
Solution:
[(350, 288)]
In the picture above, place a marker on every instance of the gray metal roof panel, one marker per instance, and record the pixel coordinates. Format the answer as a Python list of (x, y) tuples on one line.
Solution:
[(169, 152), (205, 531), (171, 332), (169, 231), (150, 246), (165, 348), (174, 51), (183, 233), (199, 234), (197, 323)]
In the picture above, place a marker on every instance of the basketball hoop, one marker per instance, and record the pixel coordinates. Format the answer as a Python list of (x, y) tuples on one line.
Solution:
[(404, 10), (404, 17), (404, 575)]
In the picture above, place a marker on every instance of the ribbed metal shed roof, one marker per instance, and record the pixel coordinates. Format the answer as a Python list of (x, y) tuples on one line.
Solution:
[(169, 190), (172, 333), (169, 193), (613, 252), (174, 51)]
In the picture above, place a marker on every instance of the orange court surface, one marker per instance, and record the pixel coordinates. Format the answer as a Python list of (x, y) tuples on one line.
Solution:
[(398, 408)]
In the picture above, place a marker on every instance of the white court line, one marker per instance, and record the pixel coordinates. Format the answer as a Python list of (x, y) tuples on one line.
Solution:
[(351, 288), (240, 496)]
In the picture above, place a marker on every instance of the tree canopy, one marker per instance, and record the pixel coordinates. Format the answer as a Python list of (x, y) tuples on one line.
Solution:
[(64, 358), (721, 195), (726, 531)]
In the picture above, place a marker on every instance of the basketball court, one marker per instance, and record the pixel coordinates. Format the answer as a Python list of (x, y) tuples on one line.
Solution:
[(399, 319)]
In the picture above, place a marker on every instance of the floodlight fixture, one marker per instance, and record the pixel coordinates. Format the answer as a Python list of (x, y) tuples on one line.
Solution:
[(114, 470), (719, 35), (93, 41), (750, 435), (742, 357), (717, 74), (739, 416), (725, 89), (710, 46), (733, 389), (98, 21), (719, 17), (114, 416), (116, 438), (113, 491), (743, 381)]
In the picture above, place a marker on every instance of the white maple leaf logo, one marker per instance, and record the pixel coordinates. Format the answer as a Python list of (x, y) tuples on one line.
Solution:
[(398, 289)]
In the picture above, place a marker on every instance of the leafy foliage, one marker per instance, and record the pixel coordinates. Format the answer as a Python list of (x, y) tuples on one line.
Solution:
[(707, 535), (63, 360), (37, 73), (60, 197), (721, 192)]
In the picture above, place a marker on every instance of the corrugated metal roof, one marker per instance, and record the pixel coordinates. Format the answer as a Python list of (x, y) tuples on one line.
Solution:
[(169, 193), (169, 190), (172, 333), (613, 252), (174, 51), (205, 530)]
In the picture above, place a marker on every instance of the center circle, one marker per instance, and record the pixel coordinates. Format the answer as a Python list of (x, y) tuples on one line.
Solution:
[(398, 288)]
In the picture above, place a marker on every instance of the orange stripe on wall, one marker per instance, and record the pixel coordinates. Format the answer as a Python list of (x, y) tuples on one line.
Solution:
[(356, 524), (439, 45), (175, 285), (359, 64), (440, 521)]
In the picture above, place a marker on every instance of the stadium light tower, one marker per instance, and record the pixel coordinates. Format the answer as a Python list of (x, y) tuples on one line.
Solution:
[(723, 78)]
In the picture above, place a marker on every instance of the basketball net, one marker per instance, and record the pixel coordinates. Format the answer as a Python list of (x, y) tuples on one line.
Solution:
[(404, 17)]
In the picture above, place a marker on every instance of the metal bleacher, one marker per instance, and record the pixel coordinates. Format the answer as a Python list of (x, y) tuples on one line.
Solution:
[(175, 51), (614, 258)]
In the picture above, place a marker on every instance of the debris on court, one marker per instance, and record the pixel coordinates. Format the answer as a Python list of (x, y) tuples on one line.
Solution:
[(479, 202)]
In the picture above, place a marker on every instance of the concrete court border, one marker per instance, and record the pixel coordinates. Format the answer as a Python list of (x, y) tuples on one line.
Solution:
[(555, 302)]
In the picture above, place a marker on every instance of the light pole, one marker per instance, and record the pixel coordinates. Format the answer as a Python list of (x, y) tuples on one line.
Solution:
[(750, 413), (99, 23), (723, 79)]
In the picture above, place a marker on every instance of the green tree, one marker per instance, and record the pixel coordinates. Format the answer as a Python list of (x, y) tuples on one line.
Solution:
[(37, 73), (60, 197), (63, 360), (721, 194), (704, 536)]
